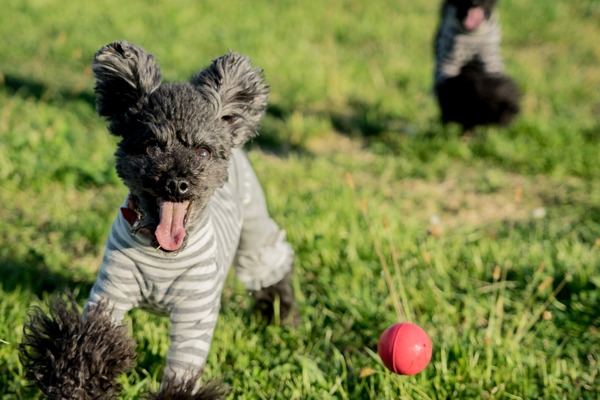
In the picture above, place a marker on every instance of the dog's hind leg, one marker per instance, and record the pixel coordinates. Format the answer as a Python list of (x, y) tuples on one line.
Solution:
[(69, 358), (264, 258), (276, 302)]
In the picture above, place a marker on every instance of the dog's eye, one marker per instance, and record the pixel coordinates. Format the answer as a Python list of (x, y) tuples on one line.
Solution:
[(151, 149), (203, 152), (229, 119)]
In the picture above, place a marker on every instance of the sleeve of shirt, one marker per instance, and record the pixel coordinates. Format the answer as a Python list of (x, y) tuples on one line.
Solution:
[(115, 284), (193, 323), (264, 257), (490, 49)]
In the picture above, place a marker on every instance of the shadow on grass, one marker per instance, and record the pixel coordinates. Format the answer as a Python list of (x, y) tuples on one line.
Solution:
[(358, 120), (35, 277), (367, 121), (27, 88), (273, 138)]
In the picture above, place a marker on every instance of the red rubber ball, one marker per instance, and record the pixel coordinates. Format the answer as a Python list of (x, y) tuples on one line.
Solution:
[(405, 348)]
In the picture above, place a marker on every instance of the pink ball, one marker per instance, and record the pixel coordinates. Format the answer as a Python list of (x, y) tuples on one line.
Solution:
[(405, 348)]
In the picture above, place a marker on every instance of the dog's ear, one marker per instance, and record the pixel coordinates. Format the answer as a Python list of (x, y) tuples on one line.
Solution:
[(237, 92), (125, 76)]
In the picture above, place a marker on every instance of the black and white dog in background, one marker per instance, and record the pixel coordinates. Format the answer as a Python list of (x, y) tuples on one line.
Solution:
[(470, 85)]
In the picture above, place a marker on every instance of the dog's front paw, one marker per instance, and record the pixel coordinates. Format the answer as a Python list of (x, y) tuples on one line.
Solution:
[(174, 389), (277, 302)]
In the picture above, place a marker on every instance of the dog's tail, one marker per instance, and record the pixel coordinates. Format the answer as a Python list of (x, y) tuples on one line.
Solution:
[(69, 358)]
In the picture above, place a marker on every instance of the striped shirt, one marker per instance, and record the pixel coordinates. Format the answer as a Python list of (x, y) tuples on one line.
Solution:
[(186, 285), (455, 46)]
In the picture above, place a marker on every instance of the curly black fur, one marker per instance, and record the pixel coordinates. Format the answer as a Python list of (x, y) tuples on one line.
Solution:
[(219, 108), (266, 299), (172, 389), (480, 94), (68, 358), (176, 145), (475, 98)]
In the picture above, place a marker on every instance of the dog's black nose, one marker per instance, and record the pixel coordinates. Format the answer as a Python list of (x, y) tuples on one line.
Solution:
[(178, 186)]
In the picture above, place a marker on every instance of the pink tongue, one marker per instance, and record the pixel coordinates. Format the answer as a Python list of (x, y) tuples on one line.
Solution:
[(170, 232), (474, 17)]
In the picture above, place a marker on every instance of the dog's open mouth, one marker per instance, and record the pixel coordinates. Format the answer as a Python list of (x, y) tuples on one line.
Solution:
[(170, 232), (474, 18)]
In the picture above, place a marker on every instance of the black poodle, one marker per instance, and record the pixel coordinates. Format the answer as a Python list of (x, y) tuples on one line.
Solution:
[(470, 85), (195, 208)]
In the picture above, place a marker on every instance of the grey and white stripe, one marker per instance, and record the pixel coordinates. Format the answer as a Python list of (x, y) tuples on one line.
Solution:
[(187, 285), (455, 46)]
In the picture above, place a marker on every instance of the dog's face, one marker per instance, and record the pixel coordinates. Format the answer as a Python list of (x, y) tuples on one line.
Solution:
[(471, 13), (176, 139)]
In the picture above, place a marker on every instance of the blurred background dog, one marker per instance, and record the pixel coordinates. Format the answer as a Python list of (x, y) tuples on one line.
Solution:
[(470, 85)]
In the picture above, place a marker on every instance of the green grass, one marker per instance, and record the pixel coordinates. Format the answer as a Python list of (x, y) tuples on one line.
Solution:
[(355, 166)]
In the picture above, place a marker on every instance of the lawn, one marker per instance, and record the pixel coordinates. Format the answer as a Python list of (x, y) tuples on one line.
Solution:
[(492, 244)]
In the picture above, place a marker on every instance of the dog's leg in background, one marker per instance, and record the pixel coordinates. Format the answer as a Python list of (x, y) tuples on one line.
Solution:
[(69, 358), (264, 258)]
